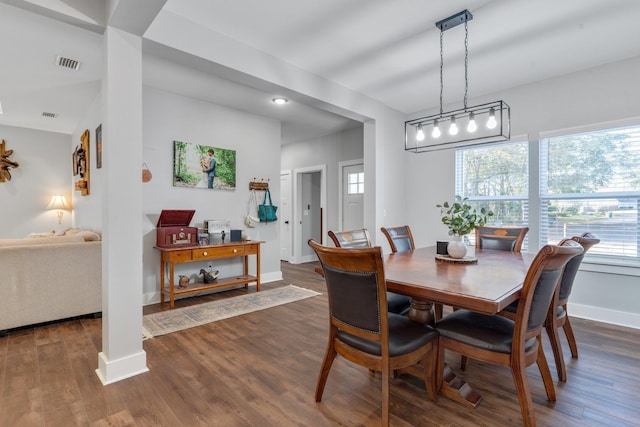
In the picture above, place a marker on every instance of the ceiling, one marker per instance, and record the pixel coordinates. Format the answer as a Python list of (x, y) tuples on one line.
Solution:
[(387, 50)]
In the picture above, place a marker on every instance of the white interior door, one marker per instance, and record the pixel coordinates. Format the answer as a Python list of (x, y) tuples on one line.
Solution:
[(352, 196), (285, 216)]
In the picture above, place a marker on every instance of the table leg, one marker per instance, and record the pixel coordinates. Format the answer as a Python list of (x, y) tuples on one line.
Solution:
[(162, 267), (258, 269), (246, 270), (452, 387), (421, 311), (171, 288)]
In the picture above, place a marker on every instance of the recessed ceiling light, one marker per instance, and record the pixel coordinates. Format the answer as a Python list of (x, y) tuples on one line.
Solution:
[(280, 101)]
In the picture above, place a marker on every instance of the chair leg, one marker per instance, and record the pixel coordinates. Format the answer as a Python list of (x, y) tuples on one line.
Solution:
[(568, 331), (543, 366), (463, 362), (519, 374), (439, 365), (386, 379), (429, 364), (329, 357), (554, 337), (437, 309)]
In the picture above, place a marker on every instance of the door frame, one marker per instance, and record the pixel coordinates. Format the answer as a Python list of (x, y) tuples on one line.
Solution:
[(296, 230), (286, 215), (341, 166)]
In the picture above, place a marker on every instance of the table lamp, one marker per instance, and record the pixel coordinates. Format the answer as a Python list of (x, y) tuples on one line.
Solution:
[(59, 203)]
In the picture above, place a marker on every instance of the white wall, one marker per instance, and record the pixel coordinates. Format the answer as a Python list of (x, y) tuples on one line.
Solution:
[(88, 209), (45, 170), (328, 150), (602, 94), (167, 118)]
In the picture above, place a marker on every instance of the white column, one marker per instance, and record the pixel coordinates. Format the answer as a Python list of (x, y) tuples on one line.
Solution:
[(122, 355)]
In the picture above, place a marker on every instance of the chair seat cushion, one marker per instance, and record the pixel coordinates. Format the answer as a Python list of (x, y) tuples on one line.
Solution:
[(494, 333), (405, 336), (397, 303)]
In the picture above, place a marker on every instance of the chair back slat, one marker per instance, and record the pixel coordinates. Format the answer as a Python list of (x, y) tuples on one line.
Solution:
[(347, 289), (400, 238), (542, 296), (500, 238), (358, 238)]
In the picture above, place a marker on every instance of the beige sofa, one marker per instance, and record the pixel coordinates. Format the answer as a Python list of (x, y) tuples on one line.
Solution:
[(49, 278)]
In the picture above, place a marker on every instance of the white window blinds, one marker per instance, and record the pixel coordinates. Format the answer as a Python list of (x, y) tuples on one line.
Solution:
[(496, 177), (591, 182)]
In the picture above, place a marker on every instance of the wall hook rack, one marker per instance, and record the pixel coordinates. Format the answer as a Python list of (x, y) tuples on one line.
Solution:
[(261, 185)]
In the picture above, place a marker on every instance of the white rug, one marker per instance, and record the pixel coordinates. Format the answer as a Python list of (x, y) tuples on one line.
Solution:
[(169, 321)]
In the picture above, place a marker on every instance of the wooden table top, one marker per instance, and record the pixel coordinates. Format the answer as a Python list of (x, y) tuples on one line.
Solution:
[(487, 286)]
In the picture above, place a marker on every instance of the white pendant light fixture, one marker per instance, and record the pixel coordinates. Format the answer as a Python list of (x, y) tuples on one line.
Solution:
[(480, 124)]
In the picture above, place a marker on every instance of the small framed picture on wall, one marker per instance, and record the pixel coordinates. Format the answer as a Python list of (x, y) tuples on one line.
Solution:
[(99, 146)]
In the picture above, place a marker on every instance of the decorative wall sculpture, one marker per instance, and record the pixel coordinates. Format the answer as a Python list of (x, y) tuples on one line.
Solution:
[(5, 163), (81, 164)]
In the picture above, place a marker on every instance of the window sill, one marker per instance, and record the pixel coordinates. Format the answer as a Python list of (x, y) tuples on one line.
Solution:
[(611, 266)]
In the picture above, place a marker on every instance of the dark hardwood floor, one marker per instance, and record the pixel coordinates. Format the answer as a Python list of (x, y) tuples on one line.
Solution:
[(260, 369)]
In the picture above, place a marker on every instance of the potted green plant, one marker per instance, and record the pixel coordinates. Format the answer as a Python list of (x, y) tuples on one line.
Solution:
[(461, 218)]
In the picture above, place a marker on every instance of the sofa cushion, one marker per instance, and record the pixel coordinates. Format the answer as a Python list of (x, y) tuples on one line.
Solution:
[(41, 241), (39, 235), (88, 235)]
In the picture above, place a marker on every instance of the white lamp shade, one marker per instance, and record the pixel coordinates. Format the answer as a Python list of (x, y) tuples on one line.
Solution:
[(58, 202)]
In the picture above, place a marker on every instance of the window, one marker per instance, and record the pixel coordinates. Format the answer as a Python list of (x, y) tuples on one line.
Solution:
[(355, 183), (591, 182), (496, 177)]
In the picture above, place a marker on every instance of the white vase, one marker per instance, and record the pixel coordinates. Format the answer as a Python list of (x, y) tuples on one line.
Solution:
[(456, 248)]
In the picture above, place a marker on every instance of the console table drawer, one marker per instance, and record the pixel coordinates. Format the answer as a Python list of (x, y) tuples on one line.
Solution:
[(222, 252), (176, 256)]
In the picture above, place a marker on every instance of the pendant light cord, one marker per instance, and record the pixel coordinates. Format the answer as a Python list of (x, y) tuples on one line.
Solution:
[(441, 68), (466, 63)]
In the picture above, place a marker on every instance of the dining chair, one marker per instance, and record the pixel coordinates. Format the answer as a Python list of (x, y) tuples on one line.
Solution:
[(359, 238), (362, 332), (400, 238), (500, 238), (513, 343), (557, 316)]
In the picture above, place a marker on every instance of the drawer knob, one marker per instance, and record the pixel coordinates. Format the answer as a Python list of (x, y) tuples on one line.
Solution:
[(205, 253), (235, 250)]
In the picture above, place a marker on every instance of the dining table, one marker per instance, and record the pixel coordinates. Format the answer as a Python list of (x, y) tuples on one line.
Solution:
[(485, 282)]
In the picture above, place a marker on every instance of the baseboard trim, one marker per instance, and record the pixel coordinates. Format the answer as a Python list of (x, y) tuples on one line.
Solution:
[(111, 371), (615, 317)]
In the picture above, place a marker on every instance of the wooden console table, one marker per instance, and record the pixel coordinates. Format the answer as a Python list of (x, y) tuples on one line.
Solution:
[(172, 256)]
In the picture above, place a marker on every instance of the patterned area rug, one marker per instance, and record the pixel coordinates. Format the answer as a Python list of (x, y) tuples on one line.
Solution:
[(165, 322)]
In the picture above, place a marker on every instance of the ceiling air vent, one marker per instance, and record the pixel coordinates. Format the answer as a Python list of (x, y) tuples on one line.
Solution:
[(50, 115), (67, 62)]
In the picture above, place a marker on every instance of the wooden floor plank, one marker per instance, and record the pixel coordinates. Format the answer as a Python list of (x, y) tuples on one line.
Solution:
[(261, 369)]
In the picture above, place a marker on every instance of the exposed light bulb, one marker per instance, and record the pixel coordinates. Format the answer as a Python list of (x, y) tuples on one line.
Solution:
[(492, 123), (436, 130), (471, 126), (420, 133), (453, 129)]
